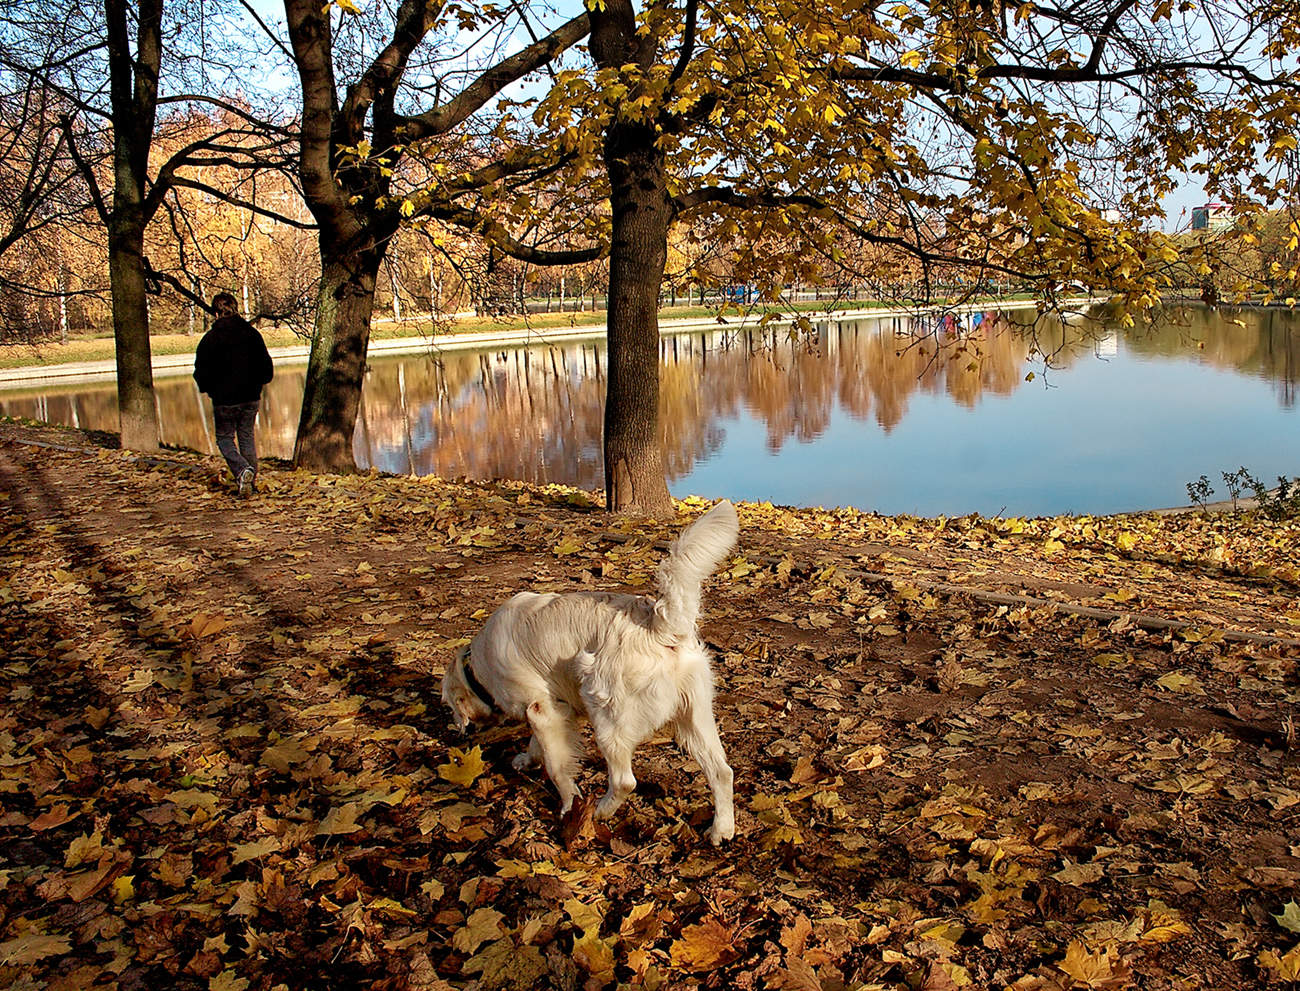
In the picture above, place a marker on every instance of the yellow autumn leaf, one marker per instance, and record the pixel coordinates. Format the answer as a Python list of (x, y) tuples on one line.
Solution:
[(481, 927), (704, 947), (1287, 968), (1104, 969), (1166, 931), (595, 956), (463, 768), (84, 849), (228, 980), (1176, 681), (123, 889)]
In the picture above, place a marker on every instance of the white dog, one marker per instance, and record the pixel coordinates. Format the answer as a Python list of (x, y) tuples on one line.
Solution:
[(633, 664)]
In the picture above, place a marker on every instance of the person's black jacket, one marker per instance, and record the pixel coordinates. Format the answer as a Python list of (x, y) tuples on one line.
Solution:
[(232, 363)]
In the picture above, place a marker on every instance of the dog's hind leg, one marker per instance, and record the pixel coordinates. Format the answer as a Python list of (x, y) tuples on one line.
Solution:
[(554, 737), (698, 733)]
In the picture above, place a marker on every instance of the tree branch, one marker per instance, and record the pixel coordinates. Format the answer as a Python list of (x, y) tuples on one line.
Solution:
[(442, 119)]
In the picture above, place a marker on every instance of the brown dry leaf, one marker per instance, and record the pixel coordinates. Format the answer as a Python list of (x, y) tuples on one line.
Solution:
[(796, 975), (85, 848), (578, 823), (57, 815), (705, 946), (1080, 874), (255, 849), (804, 772), (640, 925), (204, 625), (340, 820), (283, 754), (31, 948), (795, 937), (943, 975)]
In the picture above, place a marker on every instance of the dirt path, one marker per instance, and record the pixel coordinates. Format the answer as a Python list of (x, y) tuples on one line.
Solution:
[(224, 763)]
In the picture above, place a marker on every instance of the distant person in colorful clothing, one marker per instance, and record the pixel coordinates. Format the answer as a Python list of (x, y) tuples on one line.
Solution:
[(231, 365)]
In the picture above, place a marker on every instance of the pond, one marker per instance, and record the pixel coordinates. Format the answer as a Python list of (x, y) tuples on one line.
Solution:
[(995, 413)]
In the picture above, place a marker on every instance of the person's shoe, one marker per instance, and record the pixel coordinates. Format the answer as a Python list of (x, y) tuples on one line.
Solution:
[(246, 483)]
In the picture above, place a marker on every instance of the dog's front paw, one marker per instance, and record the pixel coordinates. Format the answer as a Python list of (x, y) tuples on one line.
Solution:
[(722, 831), (607, 806)]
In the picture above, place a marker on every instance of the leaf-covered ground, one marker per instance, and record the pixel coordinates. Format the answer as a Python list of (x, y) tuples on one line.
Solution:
[(224, 765)]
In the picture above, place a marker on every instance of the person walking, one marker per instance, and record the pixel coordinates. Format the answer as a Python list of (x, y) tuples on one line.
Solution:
[(231, 365)]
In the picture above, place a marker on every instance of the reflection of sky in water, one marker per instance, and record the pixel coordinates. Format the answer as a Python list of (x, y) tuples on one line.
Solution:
[(1123, 424), (1102, 436)]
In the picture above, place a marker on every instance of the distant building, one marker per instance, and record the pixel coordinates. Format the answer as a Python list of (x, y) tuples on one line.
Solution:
[(1211, 217)]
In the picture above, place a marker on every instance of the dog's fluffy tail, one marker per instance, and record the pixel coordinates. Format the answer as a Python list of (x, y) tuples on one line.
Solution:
[(693, 556)]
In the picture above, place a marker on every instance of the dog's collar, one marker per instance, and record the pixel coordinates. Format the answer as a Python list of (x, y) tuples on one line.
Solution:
[(477, 688)]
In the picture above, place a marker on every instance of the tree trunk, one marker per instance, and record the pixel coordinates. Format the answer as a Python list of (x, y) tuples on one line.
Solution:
[(337, 363), (634, 462), (137, 413)]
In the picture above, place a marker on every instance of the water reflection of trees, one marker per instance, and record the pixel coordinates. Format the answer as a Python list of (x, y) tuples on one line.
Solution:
[(536, 414), (1263, 342)]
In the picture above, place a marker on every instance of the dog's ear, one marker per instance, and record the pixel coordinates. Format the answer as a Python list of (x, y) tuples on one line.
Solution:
[(463, 711), (456, 693)]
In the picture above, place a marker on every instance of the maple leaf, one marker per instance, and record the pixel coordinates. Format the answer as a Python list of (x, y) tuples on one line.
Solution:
[(502, 964), (282, 755), (1290, 917), (704, 947), (204, 625), (1080, 874), (1286, 967), (1176, 681), (255, 849), (1104, 970), (595, 956), (340, 820), (481, 927), (83, 849), (463, 768), (227, 980), (140, 680)]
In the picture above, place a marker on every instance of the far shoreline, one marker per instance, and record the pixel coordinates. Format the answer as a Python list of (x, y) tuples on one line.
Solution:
[(40, 376)]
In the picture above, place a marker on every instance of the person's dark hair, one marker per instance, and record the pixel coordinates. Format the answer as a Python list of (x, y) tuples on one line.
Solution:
[(224, 304)]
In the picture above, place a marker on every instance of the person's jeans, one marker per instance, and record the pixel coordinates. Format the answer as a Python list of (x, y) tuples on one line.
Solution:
[(234, 428)]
